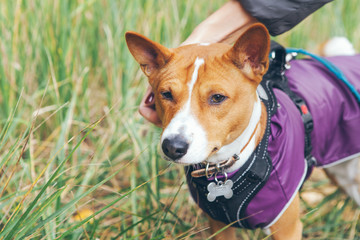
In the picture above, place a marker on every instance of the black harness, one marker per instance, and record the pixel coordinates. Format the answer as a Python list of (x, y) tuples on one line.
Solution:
[(253, 175), (276, 79)]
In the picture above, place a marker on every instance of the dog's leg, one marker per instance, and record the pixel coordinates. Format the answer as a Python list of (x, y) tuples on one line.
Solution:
[(289, 225), (346, 176), (226, 234)]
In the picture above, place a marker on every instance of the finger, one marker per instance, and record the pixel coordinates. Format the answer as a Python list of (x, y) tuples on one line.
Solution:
[(147, 108), (150, 115)]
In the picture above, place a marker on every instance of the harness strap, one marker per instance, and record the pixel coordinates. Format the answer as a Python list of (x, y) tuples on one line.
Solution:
[(276, 78), (248, 181)]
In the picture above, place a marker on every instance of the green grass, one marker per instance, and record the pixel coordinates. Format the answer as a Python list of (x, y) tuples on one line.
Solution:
[(70, 135)]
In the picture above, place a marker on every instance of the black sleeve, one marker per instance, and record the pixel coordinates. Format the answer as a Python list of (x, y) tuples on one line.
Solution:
[(281, 15)]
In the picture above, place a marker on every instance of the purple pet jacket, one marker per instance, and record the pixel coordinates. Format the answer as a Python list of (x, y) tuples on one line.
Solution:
[(335, 138)]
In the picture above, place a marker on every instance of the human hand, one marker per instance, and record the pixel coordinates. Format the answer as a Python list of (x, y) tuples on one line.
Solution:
[(223, 26), (147, 108)]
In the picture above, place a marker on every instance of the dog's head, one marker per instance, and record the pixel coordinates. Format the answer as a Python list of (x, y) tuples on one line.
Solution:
[(204, 93)]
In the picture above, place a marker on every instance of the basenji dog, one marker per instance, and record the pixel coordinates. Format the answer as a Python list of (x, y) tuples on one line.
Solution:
[(210, 102)]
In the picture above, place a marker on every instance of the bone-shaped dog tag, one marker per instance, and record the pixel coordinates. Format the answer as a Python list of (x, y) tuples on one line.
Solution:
[(220, 189)]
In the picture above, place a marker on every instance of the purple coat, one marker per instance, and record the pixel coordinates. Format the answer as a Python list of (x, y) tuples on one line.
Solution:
[(335, 138)]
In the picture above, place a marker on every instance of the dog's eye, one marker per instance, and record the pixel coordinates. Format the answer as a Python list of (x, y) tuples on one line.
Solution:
[(167, 95), (217, 99)]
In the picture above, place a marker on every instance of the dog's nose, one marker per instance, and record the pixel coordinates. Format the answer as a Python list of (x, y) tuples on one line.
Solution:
[(174, 148)]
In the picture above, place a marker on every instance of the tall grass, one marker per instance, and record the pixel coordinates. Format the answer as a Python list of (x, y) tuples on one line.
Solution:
[(76, 159)]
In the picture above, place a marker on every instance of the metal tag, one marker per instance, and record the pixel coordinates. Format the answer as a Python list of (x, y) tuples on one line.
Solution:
[(220, 189)]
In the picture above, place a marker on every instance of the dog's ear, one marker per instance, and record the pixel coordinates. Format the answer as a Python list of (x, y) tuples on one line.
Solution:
[(250, 53), (149, 54)]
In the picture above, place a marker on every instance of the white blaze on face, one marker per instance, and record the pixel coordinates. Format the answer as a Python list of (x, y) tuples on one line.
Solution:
[(187, 126)]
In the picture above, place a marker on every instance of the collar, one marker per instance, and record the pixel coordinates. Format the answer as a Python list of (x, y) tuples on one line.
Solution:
[(243, 147), (247, 180)]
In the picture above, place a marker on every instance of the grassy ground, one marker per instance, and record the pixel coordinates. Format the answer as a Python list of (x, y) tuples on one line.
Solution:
[(76, 159)]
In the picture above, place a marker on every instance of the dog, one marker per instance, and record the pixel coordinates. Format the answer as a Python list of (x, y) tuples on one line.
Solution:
[(241, 140)]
